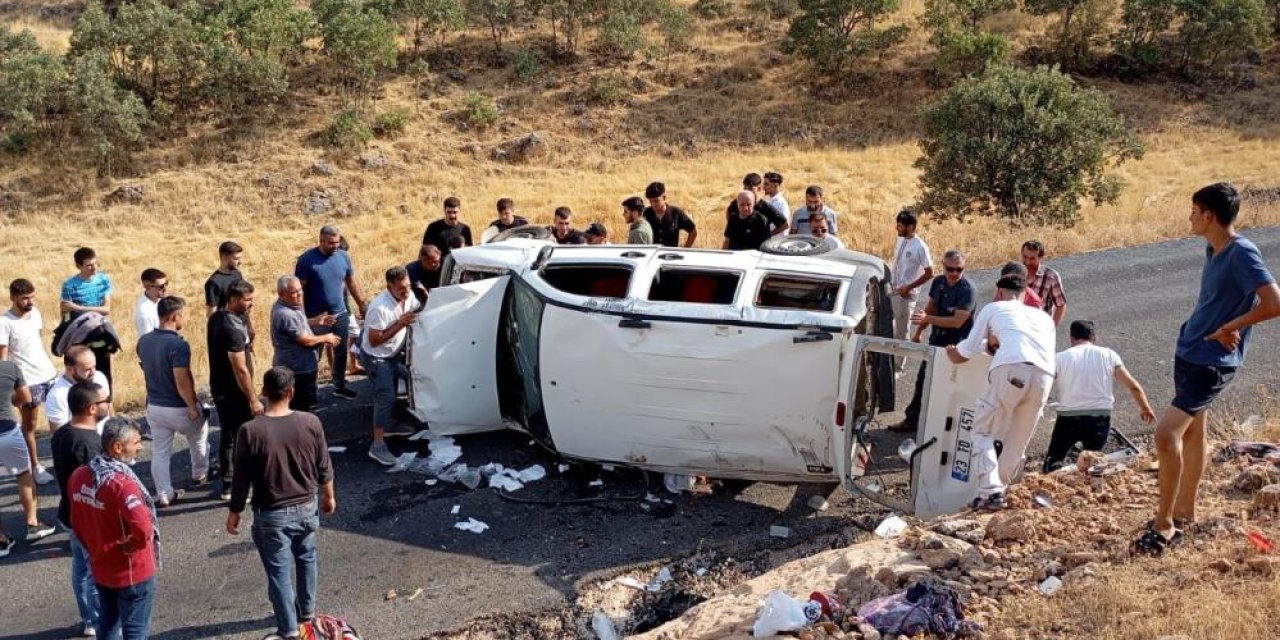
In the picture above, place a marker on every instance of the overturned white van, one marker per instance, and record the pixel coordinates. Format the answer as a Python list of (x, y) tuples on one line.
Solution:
[(742, 365)]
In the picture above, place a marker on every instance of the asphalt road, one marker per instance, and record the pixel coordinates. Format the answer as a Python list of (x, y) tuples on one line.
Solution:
[(394, 532)]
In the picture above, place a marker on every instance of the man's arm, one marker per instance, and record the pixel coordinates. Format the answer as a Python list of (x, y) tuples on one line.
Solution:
[(690, 237), (691, 230), (1058, 312), (244, 379), (135, 519), (972, 345), (239, 482), (466, 235), (186, 384), (4, 352), (379, 336), (1268, 307), (906, 289), (923, 319), (1136, 390), (354, 287)]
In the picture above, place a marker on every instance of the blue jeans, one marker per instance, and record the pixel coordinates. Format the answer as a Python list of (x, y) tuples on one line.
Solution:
[(126, 613), (82, 585), (285, 537), (342, 328), (385, 374)]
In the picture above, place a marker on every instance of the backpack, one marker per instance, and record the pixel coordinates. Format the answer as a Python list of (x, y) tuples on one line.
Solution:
[(327, 627)]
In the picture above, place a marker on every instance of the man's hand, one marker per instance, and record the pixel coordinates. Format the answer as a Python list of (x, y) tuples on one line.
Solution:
[(332, 339), (193, 413), (255, 405), (903, 291), (1229, 339), (919, 318), (1148, 415), (326, 319), (233, 523), (409, 318), (917, 336), (954, 356), (328, 505)]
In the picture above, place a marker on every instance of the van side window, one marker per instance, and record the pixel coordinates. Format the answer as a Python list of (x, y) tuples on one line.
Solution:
[(795, 292), (473, 275), (597, 281), (692, 285)]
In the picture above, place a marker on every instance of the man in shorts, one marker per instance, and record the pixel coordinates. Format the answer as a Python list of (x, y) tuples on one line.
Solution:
[(22, 341), (1236, 292), (14, 456)]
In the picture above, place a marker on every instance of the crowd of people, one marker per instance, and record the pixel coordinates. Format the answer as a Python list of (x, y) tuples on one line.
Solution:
[(272, 455)]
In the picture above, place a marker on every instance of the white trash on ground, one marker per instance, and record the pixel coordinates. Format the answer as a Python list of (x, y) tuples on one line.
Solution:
[(337, 449), (403, 461), (603, 626), (532, 474), (891, 527), (472, 525), (778, 531), (663, 577), (1051, 585), (456, 508), (678, 482), (780, 612)]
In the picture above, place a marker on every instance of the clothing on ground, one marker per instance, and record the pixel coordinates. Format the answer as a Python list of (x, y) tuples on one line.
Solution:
[(283, 458)]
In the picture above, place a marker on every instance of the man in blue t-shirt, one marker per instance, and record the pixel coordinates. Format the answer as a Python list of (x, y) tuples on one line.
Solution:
[(327, 274), (89, 291), (1236, 292)]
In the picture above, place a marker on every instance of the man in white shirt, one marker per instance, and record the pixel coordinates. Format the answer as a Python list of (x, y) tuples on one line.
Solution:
[(22, 341), (819, 227), (773, 192), (912, 268), (386, 325), (1086, 375), (145, 316), (813, 203), (81, 366), (1018, 384)]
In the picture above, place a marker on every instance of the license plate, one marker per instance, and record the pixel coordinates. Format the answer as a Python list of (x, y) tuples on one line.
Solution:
[(964, 446)]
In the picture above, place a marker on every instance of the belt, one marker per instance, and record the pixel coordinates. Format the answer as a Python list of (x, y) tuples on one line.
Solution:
[(308, 506)]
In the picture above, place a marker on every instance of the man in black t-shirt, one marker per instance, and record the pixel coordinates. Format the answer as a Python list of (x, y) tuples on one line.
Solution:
[(507, 218), (424, 273), (777, 219), (72, 446), (952, 302), (231, 373), (215, 288), (748, 228), (441, 234), (562, 232), (667, 220)]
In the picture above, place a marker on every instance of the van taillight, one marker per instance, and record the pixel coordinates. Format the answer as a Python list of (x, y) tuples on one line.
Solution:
[(840, 413)]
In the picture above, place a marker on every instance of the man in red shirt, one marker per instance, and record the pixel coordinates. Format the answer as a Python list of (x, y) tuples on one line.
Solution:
[(114, 517)]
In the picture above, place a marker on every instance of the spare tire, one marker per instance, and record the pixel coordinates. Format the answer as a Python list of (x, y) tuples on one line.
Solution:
[(531, 231), (794, 245)]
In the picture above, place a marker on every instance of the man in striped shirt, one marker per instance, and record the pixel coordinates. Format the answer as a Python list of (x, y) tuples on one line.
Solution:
[(1045, 282)]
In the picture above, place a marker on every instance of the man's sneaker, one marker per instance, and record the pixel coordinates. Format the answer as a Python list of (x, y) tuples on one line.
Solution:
[(39, 530), (225, 496), (164, 501), (345, 393), (993, 502), (381, 454), (399, 430), (87, 631), (6, 545), (42, 475)]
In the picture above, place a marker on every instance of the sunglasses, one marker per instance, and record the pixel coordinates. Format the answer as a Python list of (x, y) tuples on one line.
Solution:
[(954, 269)]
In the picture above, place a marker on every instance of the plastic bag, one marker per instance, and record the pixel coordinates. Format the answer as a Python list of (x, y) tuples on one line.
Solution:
[(780, 612)]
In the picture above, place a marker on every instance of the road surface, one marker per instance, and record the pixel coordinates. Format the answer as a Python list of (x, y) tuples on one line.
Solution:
[(394, 532)]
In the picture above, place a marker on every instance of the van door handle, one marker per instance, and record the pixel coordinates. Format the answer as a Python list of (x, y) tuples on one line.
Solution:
[(813, 336), (633, 323)]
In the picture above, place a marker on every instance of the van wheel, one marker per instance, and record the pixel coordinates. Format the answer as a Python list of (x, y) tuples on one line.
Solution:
[(795, 245), (531, 231)]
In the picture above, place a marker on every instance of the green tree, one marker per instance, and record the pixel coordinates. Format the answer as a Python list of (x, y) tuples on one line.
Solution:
[(359, 41), (674, 23), (423, 19), (1218, 31), (107, 119), (955, 28), (32, 79), (1082, 25), (498, 15), (1022, 144), (834, 34), (1142, 24)]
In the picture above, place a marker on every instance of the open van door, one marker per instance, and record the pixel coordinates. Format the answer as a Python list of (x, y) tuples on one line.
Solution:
[(942, 481), (452, 358)]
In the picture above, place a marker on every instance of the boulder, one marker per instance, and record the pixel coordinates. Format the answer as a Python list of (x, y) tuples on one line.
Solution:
[(945, 552), (1252, 478), (969, 530), (1267, 498), (320, 201), (1010, 527), (521, 150), (125, 194), (321, 168), (374, 161)]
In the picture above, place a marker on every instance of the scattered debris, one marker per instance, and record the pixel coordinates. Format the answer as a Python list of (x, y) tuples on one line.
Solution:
[(472, 525), (677, 482), (414, 596), (596, 483), (818, 503), (532, 474), (603, 626), (1042, 501), (891, 527), (660, 580), (403, 461), (337, 449), (1050, 585), (779, 612), (778, 531), (455, 510)]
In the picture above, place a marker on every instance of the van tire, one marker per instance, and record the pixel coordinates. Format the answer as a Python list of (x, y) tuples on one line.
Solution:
[(531, 231), (794, 245)]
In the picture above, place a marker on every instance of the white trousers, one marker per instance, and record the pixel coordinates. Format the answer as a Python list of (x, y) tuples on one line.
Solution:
[(167, 422), (1008, 412), (902, 310)]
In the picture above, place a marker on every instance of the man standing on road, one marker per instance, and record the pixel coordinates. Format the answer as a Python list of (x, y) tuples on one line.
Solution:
[(424, 273), (507, 218), (327, 274), (667, 220), (813, 205), (1045, 282), (773, 194), (89, 291), (283, 456), (912, 267), (952, 299), (295, 344), (746, 229), (752, 182), (441, 233), (73, 446), (386, 328), (562, 230), (114, 518), (79, 365), (1236, 292), (145, 317), (22, 341), (1085, 385), (15, 459), (638, 229), (1018, 384), (231, 373), (172, 407)]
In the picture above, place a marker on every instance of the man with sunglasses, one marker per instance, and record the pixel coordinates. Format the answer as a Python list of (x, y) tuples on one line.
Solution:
[(952, 298), (819, 227), (145, 317)]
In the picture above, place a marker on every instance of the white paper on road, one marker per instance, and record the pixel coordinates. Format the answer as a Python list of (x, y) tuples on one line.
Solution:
[(472, 525), (337, 449), (532, 474)]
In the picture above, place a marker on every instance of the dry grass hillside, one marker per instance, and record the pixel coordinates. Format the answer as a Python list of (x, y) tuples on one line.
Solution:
[(729, 105)]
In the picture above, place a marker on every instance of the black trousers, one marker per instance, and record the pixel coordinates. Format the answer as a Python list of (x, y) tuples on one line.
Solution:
[(1090, 431), (233, 412), (913, 409), (304, 391)]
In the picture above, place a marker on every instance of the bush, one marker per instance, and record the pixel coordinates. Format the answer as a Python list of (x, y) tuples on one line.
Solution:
[(622, 34), (526, 63), (775, 9), (499, 15), (32, 79), (391, 123), (358, 40), (423, 18), (348, 131), (480, 111), (1215, 32), (1082, 26), (955, 28), (107, 119), (1026, 145), (607, 90), (711, 9), (674, 23), (834, 34), (1137, 43)]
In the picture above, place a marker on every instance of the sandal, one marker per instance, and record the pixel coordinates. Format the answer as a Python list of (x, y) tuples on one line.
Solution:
[(1152, 543)]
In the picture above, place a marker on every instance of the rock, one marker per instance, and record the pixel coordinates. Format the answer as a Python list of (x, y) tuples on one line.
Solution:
[(868, 632), (1087, 459), (1010, 527), (523, 149), (456, 75), (1253, 478), (321, 168), (320, 201), (1267, 498), (1078, 558), (374, 160), (859, 587), (1266, 565), (1221, 565), (944, 552), (126, 194), (1080, 573)]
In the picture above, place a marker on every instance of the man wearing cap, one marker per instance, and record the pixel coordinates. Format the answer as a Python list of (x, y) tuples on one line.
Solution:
[(596, 234)]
